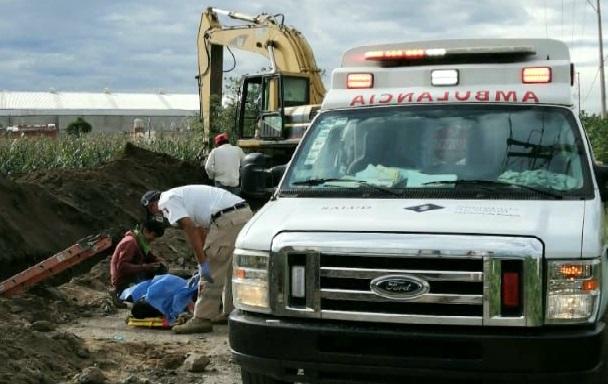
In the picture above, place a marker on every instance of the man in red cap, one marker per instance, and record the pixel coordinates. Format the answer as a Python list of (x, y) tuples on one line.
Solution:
[(224, 162)]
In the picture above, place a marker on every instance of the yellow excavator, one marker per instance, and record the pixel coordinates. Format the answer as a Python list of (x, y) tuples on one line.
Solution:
[(274, 108)]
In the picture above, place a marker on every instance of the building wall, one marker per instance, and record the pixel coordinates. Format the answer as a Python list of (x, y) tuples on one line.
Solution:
[(105, 124)]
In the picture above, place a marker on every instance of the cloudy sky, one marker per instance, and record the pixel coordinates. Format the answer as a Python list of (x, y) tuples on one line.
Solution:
[(150, 45)]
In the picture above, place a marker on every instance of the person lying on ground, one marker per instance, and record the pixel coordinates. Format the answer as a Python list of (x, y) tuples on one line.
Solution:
[(133, 261), (165, 295), (211, 218)]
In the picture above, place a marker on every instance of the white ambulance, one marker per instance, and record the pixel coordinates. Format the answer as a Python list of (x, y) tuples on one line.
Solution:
[(442, 218)]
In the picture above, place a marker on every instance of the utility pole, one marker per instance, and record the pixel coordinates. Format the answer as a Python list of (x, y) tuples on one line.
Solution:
[(578, 83), (601, 42)]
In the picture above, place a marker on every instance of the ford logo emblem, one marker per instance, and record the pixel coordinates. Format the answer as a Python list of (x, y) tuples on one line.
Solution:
[(399, 287)]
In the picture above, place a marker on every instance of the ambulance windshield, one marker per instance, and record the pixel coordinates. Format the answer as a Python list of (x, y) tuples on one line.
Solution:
[(520, 151)]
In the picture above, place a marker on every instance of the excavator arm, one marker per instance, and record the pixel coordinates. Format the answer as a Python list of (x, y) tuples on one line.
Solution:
[(286, 49)]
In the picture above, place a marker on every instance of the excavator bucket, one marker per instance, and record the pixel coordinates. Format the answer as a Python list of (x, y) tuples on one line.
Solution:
[(55, 264)]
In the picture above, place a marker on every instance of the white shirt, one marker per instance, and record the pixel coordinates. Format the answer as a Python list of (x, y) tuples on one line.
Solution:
[(223, 164), (198, 202)]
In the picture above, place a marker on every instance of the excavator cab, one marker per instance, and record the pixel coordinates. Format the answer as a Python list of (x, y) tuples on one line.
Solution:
[(267, 103)]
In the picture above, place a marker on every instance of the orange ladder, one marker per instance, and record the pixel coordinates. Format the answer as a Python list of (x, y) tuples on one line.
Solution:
[(55, 264)]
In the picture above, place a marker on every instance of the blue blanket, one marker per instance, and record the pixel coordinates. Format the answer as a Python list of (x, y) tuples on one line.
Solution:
[(168, 293)]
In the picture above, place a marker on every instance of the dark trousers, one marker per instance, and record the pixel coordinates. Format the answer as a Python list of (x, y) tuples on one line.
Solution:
[(233, 190), (141, 309)]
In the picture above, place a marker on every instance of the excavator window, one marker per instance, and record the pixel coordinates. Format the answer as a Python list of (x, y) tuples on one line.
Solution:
[(295, 91), (251, 105), (272, 101), (263, 100)]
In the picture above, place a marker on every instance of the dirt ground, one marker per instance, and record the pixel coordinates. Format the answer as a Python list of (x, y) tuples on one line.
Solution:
[(59, 330), (153, 354)]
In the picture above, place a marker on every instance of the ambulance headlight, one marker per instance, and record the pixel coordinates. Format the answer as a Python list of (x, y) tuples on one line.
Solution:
[(250, 280), (573, 291)]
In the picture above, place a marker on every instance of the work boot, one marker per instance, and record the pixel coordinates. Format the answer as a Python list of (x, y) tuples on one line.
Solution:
[(194, 325), (220, 319)]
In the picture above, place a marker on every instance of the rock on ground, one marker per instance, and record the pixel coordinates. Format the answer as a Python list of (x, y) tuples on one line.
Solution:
[(91, 375), (196, 362)]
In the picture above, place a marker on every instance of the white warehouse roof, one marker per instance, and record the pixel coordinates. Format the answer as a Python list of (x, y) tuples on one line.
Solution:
[(105, 103)]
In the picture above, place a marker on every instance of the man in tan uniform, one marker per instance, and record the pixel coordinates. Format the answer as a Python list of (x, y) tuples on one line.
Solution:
[(211, 219)]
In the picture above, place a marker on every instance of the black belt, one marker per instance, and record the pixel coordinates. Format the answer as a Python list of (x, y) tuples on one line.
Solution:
[(236, 206)]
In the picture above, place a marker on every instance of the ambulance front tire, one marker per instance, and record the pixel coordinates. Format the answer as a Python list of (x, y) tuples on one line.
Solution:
[(255, 378)]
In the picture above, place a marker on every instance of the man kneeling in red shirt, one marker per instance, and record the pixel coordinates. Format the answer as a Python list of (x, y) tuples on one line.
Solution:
[(133, 261)]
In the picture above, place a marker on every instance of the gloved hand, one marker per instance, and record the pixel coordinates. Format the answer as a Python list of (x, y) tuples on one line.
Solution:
[(205, 272)]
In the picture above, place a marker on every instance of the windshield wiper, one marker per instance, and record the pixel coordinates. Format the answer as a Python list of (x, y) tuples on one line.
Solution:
[(315, 182), (499, 183)]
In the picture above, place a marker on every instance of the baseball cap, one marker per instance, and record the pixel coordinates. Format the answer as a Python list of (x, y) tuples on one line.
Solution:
[(150, 197), (221, 138)]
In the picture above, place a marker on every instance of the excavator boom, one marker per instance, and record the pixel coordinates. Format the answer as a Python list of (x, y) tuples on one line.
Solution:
[(286, 49)]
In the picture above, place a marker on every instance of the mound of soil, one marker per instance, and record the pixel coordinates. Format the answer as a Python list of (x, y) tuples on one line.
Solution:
[(45, 212), (38, 357), (31, 350)]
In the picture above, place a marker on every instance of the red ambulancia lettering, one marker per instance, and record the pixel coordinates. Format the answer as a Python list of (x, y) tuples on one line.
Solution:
[(425, 95), (460, 97), (444, 97), (403, 96), (357, 100), (530, 96), (506, 96), (385, 98), (482, 96)]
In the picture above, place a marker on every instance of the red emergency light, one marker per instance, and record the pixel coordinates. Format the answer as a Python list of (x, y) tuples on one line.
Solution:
[(403, 54), (359, 80), (536, 75)]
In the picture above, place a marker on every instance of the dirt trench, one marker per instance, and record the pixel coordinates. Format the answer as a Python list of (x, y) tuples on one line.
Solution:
[(44, 212), (68, 326)]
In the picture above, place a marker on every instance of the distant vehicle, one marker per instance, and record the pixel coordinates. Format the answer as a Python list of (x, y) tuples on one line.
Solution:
[(31, 130)]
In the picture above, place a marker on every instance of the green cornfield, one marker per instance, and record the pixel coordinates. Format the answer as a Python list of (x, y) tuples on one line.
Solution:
[(28, 154)]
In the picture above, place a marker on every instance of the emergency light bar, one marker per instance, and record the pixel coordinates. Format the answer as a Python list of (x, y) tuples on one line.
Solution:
[(417, 54)]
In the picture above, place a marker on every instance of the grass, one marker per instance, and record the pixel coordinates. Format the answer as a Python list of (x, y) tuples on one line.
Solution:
[(25, 155)]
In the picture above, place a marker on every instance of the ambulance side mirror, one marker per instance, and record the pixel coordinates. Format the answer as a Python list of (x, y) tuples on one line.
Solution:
[(254, 175), (276, 174), (601, 176), (258, 180)]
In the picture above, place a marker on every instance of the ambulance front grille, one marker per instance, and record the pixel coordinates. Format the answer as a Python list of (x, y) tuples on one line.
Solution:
[(408, 278), (455, 294)]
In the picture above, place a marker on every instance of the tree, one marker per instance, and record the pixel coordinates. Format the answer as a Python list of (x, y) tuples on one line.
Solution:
[(224, 111), (597, 131), (78, 127)]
